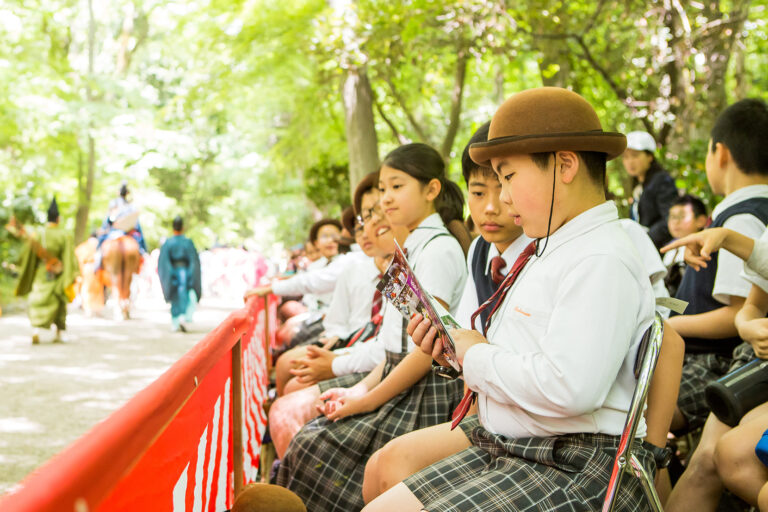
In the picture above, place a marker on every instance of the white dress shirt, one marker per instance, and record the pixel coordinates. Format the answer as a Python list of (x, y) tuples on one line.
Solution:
[(650, 258), (317, 282), (756, 267), (562, 346), (468, 303), (440, 268), (729, 279), (350, 307)]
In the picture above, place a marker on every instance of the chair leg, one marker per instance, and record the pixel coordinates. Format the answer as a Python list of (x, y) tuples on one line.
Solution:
[(648, 485)]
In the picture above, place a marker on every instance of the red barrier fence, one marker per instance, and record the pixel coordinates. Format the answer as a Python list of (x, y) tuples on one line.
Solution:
[(187, 442)]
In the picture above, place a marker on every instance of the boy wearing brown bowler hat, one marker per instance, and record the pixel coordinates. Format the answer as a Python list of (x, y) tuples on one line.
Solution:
[(552, 368)]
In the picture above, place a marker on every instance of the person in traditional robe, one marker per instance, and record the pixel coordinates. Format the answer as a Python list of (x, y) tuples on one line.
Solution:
[(48, 270), (179, 270)]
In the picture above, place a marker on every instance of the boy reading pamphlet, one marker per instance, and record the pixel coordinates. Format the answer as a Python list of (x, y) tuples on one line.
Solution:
[(553, 366)]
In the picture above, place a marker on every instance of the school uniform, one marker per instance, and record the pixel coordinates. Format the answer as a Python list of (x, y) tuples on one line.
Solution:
[(480, 286), (354, 294), (318, 282), (706, 360), (555, 381), (325, 461), (350, 307)]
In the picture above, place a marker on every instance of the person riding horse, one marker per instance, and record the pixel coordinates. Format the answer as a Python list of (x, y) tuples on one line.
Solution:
[(122, 218)]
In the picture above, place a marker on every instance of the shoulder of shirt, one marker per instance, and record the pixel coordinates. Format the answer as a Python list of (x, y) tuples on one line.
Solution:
[(609, 240), (446, 244)]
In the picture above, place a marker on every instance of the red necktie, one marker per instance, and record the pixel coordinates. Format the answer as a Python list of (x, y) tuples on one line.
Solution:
[(376, 305), (497, 264), (496, 299)]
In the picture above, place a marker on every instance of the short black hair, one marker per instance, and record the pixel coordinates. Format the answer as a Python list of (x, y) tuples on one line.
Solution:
[(178, 223), (697, 205), (742, 128), (317, 225), (594, 162), (468, 166)]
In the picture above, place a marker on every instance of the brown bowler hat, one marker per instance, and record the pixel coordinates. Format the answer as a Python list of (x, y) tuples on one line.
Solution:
[(543, 120)]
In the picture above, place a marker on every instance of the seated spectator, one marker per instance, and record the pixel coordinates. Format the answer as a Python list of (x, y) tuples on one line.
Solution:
[(686, 215), (654, 189), (737, 166), (549, 416), (325, 461), (732, 459), (354, 305), (490, 257)]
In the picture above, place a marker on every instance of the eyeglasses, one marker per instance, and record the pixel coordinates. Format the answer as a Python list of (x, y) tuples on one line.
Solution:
[(367, 214), (325, 237)]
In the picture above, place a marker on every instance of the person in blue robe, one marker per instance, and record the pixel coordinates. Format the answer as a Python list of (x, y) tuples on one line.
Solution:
[(179, 270)]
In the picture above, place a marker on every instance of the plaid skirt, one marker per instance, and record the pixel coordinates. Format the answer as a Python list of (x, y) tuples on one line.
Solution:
[(326, 460), (568, 472), (345, 381), (698, 371)]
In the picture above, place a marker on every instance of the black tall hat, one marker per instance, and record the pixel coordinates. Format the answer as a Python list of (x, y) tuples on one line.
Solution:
[(53, 211)]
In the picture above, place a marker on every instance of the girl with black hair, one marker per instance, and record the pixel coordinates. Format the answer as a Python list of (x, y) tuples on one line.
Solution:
[(326, 460)]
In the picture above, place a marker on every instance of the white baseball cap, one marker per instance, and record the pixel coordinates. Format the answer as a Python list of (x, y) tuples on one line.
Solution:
[(641, 141)]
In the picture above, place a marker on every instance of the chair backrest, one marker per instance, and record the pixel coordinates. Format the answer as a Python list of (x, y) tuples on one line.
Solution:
[(645, 364)]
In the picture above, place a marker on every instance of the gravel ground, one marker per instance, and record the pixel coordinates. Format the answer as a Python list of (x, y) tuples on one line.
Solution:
[(51, 394)]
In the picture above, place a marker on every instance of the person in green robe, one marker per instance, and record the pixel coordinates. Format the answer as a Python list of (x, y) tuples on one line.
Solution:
[(48, 270), (179, 270)]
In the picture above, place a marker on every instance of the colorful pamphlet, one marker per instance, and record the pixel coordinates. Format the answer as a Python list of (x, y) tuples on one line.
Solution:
[(400, 287)]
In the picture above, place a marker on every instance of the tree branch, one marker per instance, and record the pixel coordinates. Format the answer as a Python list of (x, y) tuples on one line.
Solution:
[(402, 139), (401, 103), (457, 95)]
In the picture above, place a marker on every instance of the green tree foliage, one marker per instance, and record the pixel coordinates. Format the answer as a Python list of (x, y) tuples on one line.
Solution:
[(231, 113)]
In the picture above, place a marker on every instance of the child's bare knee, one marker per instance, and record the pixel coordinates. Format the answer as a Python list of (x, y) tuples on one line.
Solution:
[(371, 478)]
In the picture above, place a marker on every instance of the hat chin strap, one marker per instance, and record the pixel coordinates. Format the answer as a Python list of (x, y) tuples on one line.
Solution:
[(551, 208)]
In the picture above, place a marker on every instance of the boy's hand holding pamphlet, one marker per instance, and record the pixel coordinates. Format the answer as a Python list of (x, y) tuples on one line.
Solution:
[(400, 287)]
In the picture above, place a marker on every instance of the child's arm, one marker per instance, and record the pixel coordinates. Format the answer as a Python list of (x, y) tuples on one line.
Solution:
[(662, 394), (751, 322), (715, 324), (700, 246), (407, 373)]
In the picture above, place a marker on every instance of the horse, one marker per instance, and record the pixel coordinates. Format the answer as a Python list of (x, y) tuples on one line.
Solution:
[(90, 284), (121, 258)]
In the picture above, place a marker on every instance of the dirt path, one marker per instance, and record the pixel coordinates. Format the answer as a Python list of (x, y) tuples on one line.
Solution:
[(51, 394)]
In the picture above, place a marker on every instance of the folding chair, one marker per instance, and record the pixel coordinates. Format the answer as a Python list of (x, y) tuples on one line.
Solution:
[(626, 461)]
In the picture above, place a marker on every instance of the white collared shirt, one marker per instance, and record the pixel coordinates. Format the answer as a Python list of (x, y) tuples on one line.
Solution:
[(729, 279), (317, 282), (468, 303), (440, 268), (650, 258), (350, 307), (756, 267), (562, 346)]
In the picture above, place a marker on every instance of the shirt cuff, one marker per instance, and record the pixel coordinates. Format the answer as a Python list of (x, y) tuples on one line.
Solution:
[(478, 362), (283, 287)]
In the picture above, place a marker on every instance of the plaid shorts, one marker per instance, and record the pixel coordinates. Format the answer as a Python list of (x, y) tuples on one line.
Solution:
[(568, 472), (698, 371)]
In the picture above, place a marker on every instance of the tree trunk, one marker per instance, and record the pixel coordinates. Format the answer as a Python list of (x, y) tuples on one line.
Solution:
[(85, 193), (362, 141)]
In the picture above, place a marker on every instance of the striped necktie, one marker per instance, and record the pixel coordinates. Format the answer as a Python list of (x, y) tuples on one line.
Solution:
[(495, 301)]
